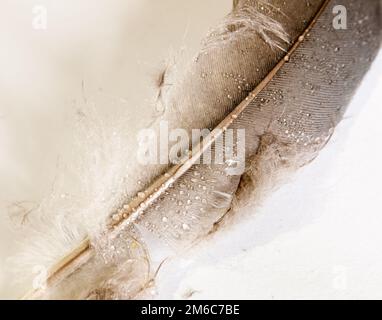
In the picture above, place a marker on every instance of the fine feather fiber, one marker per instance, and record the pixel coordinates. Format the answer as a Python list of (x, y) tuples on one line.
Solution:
[(286, 125), (63, 219)]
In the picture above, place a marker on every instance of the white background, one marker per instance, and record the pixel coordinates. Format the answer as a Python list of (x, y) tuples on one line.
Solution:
[(318, 236)]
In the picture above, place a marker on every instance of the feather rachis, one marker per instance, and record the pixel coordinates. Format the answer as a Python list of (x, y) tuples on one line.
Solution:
[(130, 212)]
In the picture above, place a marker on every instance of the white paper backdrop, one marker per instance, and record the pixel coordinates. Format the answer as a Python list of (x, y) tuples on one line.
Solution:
[(318, 236)]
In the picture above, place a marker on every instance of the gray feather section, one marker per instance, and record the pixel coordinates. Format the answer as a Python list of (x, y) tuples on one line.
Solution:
[(286, 125)]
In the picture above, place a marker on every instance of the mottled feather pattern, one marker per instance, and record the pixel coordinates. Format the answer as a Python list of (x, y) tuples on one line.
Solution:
[(307, 72)]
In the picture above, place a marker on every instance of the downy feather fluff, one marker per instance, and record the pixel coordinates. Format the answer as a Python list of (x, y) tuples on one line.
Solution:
[(277, 69)]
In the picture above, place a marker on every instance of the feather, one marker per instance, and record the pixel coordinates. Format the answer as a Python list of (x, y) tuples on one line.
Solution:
[(277, 71)]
